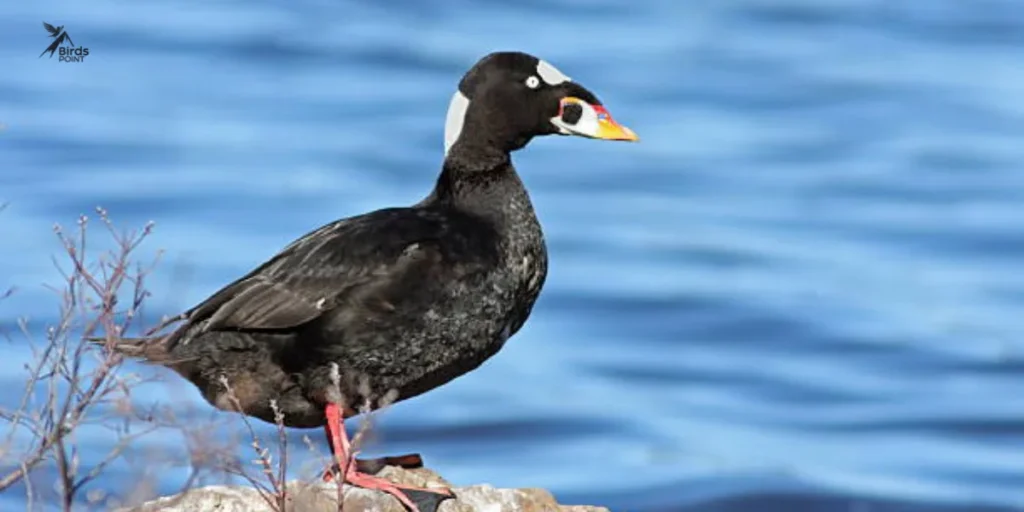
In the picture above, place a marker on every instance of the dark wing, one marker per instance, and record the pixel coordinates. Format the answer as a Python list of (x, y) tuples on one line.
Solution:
[(50, 28), (366, 259), (68, 37)]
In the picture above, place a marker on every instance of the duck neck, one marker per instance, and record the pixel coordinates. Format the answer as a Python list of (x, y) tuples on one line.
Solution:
[(468, 157), (482, 181)]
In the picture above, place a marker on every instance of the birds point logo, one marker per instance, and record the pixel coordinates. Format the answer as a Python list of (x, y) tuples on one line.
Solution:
[(68, 53)]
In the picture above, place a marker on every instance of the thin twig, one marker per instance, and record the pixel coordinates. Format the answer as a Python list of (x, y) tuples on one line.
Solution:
[(274, 494), (73, 382)]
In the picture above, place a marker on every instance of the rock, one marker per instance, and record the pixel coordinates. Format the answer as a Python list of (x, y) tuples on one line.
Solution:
[(322, 497)]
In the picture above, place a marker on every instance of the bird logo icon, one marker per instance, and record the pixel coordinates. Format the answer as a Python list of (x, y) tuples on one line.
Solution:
[(59, 35)]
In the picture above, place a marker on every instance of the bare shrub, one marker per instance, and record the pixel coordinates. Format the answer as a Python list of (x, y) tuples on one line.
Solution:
[(267, 473), (70, 382), (271, 480)]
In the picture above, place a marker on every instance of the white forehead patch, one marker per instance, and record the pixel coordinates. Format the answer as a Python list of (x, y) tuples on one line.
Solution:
[(453, 121), (550, 74)]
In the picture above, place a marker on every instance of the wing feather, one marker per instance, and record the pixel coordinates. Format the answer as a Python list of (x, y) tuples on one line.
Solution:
[(263, 304), (365, 264)]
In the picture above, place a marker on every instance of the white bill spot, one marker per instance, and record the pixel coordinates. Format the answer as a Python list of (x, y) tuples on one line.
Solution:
[(588, 124)]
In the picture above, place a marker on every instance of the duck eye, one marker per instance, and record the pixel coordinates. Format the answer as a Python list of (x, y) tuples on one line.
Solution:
[(532, 82)]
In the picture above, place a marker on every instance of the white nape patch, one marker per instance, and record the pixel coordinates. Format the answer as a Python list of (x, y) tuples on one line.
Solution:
[(550, 74), (453, 121)]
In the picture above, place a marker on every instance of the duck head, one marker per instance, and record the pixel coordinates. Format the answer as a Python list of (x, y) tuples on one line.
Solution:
[(508, 98)]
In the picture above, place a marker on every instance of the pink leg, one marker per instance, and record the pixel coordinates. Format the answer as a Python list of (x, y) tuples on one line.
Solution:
[(335, 429)]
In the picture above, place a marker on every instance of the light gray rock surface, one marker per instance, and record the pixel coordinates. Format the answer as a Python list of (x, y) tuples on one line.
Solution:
[(322, 497)]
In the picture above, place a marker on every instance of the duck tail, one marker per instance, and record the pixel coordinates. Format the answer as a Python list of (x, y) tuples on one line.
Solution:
[(151, 349)]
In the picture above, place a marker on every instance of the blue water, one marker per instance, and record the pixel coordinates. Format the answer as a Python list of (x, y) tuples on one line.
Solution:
[(801, 292)]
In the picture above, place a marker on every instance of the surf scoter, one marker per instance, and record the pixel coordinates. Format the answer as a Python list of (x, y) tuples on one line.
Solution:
[(397, 301)]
